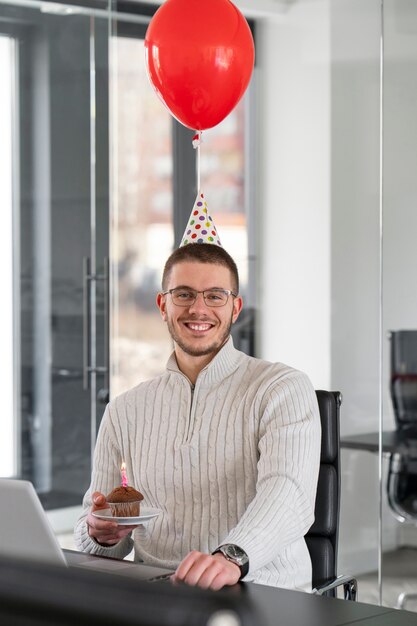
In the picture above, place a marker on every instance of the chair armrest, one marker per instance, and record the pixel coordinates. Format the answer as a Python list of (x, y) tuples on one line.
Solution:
[(350, 587)]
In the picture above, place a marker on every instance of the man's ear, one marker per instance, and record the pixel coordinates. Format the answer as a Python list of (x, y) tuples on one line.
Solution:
[(237, 307), (161, 304)]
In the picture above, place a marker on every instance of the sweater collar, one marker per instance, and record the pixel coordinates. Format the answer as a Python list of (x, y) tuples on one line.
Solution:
[(222, 365)]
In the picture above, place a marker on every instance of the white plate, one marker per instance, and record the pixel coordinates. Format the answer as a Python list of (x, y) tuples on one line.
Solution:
[(146, 515)]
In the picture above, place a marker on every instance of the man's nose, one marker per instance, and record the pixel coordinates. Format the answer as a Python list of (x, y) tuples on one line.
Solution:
[(199, 303)]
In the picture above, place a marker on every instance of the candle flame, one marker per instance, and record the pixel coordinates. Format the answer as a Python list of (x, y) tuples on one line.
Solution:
[(123, 466)]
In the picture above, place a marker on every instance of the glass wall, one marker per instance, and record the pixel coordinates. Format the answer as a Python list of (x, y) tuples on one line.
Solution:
[(338, 182), (355, 277), (399, 309), (8, 439), (58, 177)]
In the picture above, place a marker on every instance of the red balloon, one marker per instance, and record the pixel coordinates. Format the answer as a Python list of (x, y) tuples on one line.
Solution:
[(199, 57)]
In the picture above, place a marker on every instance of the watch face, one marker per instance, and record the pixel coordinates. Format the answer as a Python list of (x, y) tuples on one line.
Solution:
[(235, 553)]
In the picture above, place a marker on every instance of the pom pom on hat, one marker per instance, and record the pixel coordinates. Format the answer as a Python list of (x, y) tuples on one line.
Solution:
[(200, 227), (197, 140)]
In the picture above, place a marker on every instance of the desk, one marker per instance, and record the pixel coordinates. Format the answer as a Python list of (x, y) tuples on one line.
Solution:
[(392, 441), (282, 607)]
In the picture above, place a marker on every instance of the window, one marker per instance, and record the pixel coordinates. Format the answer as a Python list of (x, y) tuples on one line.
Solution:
[(8, 453), (142, 234)]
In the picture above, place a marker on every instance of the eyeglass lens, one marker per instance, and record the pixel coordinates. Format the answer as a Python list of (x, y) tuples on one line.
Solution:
[(212, 297)]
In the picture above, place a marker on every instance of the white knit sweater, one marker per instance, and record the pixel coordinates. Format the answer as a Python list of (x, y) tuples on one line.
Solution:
[(234, 460)]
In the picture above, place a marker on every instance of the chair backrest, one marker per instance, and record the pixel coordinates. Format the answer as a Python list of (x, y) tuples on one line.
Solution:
[(402, 470), (402, 482), (322, 538), (403, 380)]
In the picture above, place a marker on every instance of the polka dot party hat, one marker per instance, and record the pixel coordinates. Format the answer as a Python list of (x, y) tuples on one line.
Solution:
[(200, 227)]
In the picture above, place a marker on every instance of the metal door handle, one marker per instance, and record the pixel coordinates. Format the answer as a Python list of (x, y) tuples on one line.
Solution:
[(106, 278), (88, 278), (86, 323)]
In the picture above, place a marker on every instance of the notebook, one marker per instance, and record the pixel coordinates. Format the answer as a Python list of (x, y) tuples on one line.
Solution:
[(25, 532)]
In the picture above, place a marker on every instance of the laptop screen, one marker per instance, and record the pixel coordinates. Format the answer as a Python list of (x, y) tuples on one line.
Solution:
[(25, 531)]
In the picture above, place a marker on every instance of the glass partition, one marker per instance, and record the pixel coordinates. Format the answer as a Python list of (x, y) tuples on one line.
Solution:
[(344, 84), (355, 277), (9, 449), (399, 320), (58, 178)]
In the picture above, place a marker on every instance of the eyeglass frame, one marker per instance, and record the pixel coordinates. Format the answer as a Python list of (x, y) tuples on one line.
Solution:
[(228, 292)]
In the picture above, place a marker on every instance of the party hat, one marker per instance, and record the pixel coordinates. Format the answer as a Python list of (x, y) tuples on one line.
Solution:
[(200, 227)]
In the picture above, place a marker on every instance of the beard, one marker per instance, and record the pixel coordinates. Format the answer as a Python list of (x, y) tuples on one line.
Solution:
[(192, 350)]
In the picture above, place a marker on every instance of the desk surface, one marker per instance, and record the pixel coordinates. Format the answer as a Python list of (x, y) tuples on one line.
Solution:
[(392, 441), (282, 607)]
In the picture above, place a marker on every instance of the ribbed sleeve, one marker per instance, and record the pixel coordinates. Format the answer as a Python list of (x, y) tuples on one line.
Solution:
[(283, 506), (234, 460)]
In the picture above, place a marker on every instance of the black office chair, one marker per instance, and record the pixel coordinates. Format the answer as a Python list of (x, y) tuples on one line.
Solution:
[(322, 538), (403, 380), (402, 468)]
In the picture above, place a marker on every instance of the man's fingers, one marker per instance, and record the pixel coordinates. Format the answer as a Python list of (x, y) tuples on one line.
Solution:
[(107, 539), (99, 501), (198, 569), (98, 529), (211, 572), (99, 524), (207, 571), (186, 564), (219, 581), (202, 566), (110, 535)]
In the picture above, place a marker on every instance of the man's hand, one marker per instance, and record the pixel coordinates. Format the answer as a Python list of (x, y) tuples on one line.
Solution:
[(105, 533), (207, 571)]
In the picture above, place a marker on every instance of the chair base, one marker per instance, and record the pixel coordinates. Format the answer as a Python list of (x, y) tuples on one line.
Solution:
[(403, 598), (350, 587)]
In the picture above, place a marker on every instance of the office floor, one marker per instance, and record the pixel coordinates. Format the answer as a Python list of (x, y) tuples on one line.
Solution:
[(399, 575)]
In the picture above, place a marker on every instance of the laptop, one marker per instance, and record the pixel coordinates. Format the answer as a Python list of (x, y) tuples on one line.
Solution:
[(25, 533)]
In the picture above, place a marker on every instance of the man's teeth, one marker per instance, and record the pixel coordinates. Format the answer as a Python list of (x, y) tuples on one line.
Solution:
[(199, 326)]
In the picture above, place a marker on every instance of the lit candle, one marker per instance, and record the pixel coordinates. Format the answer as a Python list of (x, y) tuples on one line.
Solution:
[(124, 477)]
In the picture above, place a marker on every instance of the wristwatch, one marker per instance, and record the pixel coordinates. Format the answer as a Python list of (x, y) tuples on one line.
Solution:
[(235, 555)]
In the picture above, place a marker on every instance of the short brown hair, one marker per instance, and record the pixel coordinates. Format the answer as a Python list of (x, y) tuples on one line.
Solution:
[(201, 253)]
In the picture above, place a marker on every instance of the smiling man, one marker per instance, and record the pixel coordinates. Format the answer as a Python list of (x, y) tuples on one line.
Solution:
[(226, 445), (203, 304)]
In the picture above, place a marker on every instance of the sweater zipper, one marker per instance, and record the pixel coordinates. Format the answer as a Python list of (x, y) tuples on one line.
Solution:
[(190, 415)]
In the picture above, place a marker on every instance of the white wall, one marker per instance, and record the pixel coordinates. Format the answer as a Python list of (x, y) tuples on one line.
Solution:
[(294, 189)]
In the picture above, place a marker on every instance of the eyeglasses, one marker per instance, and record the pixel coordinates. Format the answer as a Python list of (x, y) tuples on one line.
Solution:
[(184, 296)]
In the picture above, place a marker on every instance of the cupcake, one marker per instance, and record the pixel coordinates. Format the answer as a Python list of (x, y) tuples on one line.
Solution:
[(124, 501)]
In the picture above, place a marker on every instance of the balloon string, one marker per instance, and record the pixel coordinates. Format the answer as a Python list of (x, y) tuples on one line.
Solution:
[(196, 145), (198, 168)]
